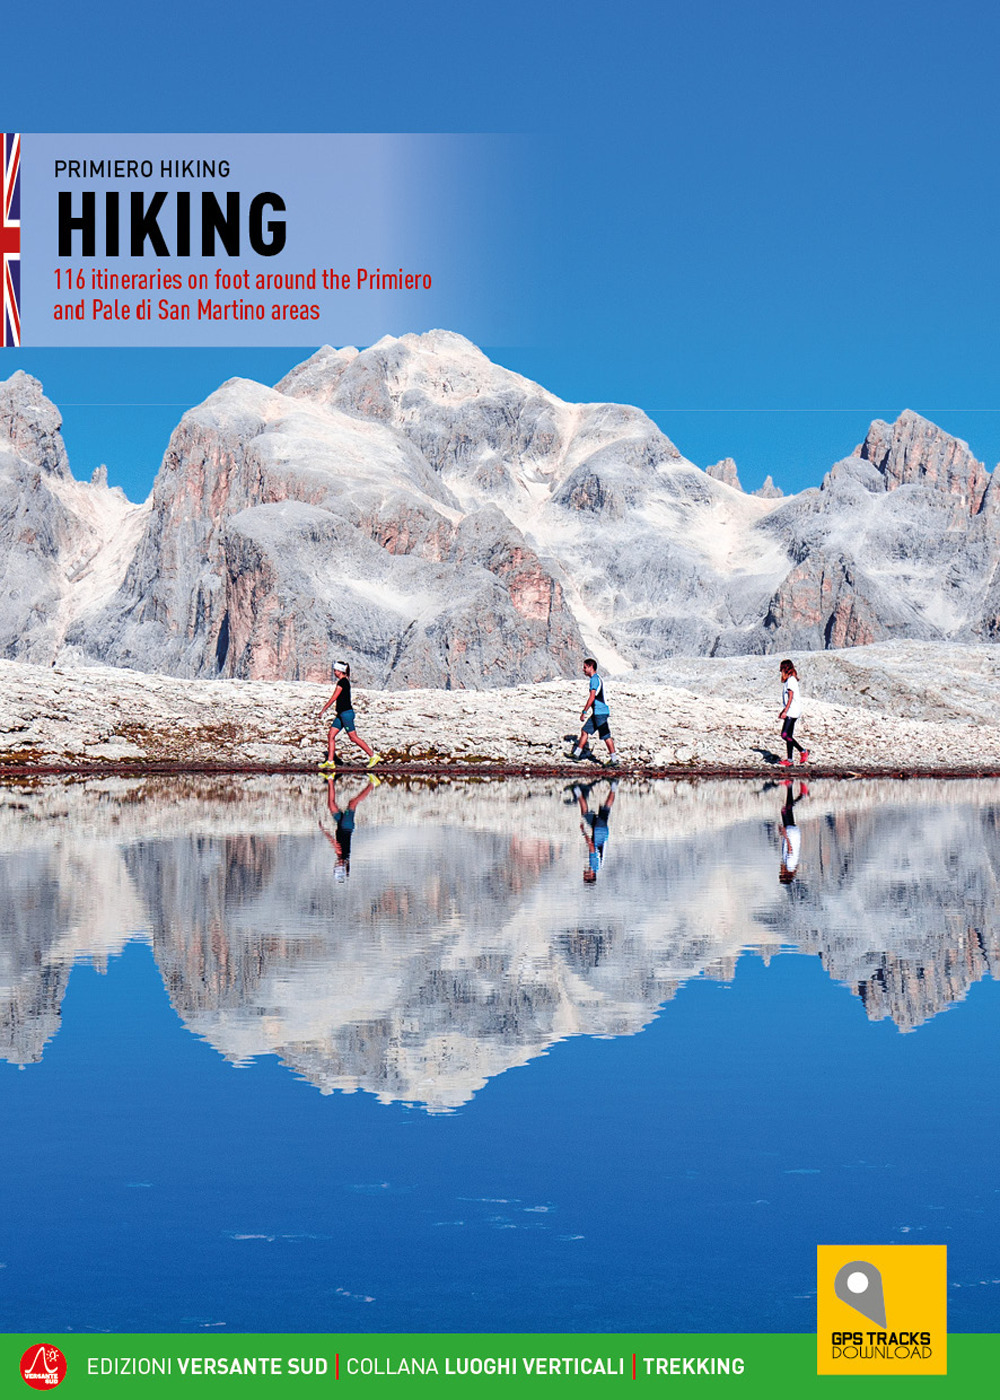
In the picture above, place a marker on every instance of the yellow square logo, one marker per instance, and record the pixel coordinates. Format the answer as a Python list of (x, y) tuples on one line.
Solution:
[(881, 1310)]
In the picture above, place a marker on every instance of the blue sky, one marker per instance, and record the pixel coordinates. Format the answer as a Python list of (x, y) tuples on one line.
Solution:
[(763, 224)]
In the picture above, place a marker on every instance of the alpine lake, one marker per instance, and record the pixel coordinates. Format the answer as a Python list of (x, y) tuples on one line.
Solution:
[(278, 1054)]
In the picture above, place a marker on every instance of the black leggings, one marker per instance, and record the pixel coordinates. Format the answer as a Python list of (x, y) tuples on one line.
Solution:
[(787, 733)]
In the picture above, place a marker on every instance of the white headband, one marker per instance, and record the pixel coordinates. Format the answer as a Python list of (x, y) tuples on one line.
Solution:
[(340, 665)]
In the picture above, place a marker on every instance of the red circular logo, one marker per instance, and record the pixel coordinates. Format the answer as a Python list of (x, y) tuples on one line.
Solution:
[(43, 1366)]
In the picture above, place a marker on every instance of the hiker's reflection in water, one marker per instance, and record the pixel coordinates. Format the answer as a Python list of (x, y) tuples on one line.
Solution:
[(791, 837), (594, 826), (343, 819)]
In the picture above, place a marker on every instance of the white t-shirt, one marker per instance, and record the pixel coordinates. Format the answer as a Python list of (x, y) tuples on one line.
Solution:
[(791, 688)]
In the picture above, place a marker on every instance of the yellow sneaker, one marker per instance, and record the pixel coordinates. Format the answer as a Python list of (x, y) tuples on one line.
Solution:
[(374, 759)]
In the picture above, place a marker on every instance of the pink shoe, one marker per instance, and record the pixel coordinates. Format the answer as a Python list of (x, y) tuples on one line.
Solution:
[(785, 762), (804, 756)]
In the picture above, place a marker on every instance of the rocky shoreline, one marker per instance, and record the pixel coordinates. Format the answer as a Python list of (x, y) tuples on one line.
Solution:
[(718, 716)]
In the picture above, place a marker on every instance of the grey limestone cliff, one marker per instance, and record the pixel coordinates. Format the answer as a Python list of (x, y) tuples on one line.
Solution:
[(61, 541), (283, 533), (901, 539)]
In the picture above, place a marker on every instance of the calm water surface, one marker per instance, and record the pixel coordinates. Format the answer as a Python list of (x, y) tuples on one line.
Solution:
[(490, 1056)]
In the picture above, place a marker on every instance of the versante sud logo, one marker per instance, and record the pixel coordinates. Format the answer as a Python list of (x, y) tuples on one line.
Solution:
[(881, 1310), (43, 1366)]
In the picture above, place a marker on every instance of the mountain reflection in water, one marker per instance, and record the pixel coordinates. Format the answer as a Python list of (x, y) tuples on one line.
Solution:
[(415, 941)]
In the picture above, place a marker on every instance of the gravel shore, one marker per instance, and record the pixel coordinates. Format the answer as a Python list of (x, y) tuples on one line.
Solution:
[(897, 707)]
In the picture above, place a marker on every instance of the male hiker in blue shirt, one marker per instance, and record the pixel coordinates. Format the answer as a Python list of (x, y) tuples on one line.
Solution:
[(597, 721)]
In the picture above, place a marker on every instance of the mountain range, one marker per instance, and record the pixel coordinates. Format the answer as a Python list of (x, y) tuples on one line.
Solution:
[(438, 520)]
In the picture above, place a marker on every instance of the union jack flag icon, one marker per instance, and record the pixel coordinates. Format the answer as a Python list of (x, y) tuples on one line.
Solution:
[(10, 240)]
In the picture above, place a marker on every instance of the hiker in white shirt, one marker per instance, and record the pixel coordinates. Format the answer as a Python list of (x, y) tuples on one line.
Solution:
[(791, 710)]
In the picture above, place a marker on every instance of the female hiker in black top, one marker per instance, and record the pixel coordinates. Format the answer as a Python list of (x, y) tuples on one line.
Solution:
[(343, 718)]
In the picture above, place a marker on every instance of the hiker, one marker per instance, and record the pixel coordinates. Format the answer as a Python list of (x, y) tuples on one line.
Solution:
[(791, 710), (343, 718), (596, 722)]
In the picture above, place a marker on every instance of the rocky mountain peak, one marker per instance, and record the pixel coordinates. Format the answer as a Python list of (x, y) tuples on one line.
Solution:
[(725, 471), (30, 424), (914, 450), (769, 492), (441, 366), (317, 378)]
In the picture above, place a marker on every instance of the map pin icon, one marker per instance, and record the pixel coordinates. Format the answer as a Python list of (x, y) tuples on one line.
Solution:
[(859, 1285)]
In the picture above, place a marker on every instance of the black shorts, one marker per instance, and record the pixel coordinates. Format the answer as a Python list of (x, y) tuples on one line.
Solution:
[(598, 725)]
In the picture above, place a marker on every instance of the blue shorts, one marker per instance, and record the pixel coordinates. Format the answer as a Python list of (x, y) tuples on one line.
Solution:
[(345, 720), (597, 724)]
